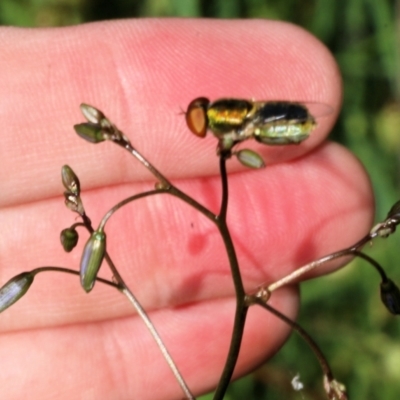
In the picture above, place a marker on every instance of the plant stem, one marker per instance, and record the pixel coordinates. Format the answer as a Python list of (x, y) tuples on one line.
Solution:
[(241, 306), (167, 186), (304, 335), (349, 251), (123, 287), (72, 272)]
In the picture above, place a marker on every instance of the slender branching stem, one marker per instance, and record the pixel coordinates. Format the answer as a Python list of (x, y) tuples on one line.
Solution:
[(241, 306), (150, 326), (375, 264), (292, 277), (220, 221), (166, 186), (126, 201), (123, 287), (243, 301), (128, 146), (72, 272), (304, 335)]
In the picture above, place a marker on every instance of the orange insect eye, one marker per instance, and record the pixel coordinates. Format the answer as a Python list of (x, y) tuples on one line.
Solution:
[(196, 116)]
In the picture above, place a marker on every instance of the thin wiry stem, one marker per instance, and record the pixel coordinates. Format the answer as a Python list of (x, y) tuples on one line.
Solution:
[(241, 306), (166, 186), (292, 277), (123, 287), (72, 272), (150, 326), (327, 371), (126, 201), (220, 220)]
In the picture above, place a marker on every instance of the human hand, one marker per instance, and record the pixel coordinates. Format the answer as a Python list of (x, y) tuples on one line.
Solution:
[(312, 199)]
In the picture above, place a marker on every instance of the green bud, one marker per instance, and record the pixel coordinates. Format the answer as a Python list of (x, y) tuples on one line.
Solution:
[(69, 238), (14, 289), (91, 260), (250, 158), (390, 295), (70, 180), (93, 133), (91, 113)]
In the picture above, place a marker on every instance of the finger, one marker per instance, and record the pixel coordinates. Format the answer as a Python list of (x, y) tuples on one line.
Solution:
[(117, 359), (280, 218), (141, 74)]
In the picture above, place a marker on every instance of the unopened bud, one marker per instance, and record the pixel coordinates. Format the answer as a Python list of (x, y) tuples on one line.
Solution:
[(390, 295), (92, 257), (14, 289), (91, 113), (93, 133), (70, 180), (250, 158), (69, 238)]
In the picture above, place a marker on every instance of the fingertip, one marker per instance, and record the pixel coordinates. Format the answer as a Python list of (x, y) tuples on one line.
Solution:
[(140, 73)]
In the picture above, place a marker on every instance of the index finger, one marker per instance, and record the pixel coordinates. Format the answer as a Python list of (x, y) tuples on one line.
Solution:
[(141, 75)]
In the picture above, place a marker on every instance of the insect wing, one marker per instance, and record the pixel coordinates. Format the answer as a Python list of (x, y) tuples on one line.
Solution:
[(283, 122), (270, 111)]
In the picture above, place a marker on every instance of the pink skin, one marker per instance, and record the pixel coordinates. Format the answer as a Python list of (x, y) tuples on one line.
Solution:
[(58, 342)]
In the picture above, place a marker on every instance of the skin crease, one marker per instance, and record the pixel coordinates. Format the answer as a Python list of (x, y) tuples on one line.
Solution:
[(59, 343)]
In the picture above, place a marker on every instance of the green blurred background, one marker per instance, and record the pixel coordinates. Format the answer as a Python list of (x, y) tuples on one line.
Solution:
[(343, 310)]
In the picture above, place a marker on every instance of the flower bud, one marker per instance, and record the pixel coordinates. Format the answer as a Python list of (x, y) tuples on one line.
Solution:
[(93, 133), (69, 238), (390, 295), (91, 260), (14, 289), (91, 113), (70, 180), (250, 158)]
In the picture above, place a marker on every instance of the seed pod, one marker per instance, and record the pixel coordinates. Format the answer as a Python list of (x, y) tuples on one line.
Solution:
[(250, 158), (14, 289), (390, 295), (69, 238), (92, 257), (93, 133), (70, 180)]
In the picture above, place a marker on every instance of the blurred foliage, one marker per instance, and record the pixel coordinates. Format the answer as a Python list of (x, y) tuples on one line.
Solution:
[(342, 311)]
